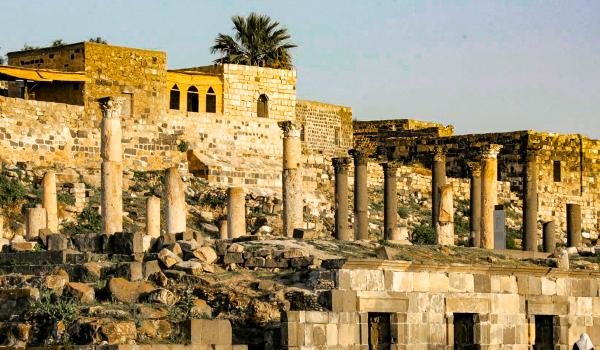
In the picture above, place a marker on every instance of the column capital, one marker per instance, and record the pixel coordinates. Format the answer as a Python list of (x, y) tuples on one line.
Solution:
[(490, 151), (474, 168), (532, 152), (290, 128), (111, 106), (340, 163), (360, 157), (439, 153), (389, 168)]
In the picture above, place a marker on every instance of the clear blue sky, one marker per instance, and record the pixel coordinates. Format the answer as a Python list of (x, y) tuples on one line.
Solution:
[(480, 65)]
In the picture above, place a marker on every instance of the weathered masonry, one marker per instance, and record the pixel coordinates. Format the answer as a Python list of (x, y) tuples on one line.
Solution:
[(404, 305), (217, 122)]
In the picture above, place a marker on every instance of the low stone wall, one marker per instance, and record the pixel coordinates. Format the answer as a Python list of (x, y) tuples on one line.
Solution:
[(422, 302)]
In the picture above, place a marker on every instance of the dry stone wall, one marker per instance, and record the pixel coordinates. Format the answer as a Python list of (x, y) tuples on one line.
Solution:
[(327, 128)]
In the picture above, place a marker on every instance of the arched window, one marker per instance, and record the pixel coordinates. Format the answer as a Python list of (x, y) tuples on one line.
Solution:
[(211, 101), (262, 109), (174, 97), (192, 99)]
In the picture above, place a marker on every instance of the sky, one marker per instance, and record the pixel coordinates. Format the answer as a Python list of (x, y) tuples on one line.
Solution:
[(482, 66)]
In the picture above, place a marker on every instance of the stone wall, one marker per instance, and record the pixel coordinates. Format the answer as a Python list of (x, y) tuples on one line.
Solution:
[(242, 86), (423, 300), (327, 128), (69, 58)]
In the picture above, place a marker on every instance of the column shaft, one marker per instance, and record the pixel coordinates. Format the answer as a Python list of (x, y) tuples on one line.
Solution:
[(361, 220), (489, 194), (530, 205), (340, 166), (293, 206), (236, 212), (475, 204), (438, 179), (390, 200), (549, 236), (49, 200), (444, 227), (176, 208), (573, 225), (111, 152), (153, 216), (36, 220)]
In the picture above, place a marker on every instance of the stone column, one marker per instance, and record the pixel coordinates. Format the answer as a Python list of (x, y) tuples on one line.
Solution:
[(530, 204), (390, 200), (223, 230), (111, 152), (176, 208), (49, 200), (36, 220), (549, 237), (489, 193), (444, 227), (293, 206), (153, 216), (236, 212), (573, 225), (340, 166), (361, 219), (438, 179), (475, 203)]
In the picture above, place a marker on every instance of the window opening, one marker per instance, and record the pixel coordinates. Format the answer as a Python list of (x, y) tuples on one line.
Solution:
[(262, 110), (174, 97), (192, 99), (211, 101)]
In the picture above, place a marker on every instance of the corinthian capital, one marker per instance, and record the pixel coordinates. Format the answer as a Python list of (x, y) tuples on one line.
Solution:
[(290, 128), (360, 157), (490, 151), (111, 106)]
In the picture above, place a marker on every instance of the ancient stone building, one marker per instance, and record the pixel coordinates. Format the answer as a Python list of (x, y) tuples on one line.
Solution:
[(217, 122)]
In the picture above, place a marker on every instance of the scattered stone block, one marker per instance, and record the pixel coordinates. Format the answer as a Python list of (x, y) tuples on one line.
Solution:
[(130, 270), (210, 228), (184, 236), (81, 291), (192, 267), (126, 243), (235, 248), (119, 332), (168, 258), (302, 233), (155, 329), (256, 261), (23, 246), (206, 254), (161, 296), (128, 292), (87, 242), (201, 309), (233, 258), (148, 312), (56, 281), (277, 263), (294, 253), (151, 267), (210, 332), (57, 242), (92, 272)]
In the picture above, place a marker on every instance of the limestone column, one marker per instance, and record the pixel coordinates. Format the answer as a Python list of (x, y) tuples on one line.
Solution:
[(49, 200), (475, 203), (223, 230), (176, 208), (489, 193), (112, 166), (293, 207), (361, 219), (390, 200), (549, 237), (36, 220), (153, 216), (340, 166), (573, 225), (438, 179), (444, 227), (530, 204), (236, 212)]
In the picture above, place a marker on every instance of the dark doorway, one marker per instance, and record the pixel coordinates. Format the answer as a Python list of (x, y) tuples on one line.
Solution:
[(464, 333), (380, 331), (544, 332)]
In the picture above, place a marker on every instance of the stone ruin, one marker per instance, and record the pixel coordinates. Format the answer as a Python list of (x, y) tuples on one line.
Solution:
[(240, 270)]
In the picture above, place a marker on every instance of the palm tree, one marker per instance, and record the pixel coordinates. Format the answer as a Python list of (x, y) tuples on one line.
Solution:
[(259, 41)]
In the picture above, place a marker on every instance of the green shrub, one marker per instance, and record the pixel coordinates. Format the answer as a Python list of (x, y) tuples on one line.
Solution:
[(403, 212), (11, 191), (89, 220), (57, 308), (423, 234), (66, 197)]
